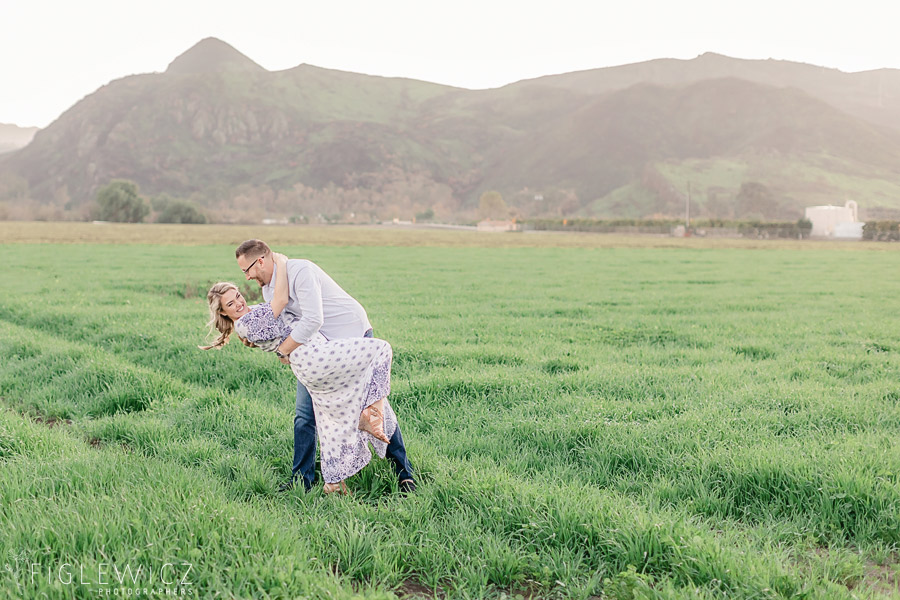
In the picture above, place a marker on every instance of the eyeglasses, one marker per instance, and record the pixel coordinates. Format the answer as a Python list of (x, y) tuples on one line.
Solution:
[(251, 266)]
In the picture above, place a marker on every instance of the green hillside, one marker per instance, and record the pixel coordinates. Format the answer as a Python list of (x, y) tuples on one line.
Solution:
[(780, 137), (873, 96), (245, 143)]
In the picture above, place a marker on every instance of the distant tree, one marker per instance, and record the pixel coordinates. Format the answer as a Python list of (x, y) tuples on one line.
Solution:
[(492, 206), (119, 201), (755, 199), (179, 211), (425, 215), (160, 202)]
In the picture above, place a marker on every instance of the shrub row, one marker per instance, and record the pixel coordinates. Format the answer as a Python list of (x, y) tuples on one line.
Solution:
[(882, 231), (758, 229), (604, 225)]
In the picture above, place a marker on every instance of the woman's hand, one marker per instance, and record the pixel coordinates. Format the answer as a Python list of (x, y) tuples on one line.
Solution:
[(279, 258)]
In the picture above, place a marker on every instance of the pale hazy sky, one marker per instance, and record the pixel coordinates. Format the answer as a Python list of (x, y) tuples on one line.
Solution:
[(53, 53)]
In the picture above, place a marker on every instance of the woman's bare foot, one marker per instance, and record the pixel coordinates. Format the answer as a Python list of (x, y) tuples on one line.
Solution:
[(372, 421), (339, 487)]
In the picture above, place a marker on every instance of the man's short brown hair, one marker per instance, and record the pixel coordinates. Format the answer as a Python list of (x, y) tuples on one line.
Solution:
[(252, 248)]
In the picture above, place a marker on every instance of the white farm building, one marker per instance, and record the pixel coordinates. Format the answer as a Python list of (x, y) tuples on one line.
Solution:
[(835, 221)]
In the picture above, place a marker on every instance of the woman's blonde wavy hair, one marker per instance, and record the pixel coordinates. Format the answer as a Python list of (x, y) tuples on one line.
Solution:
[(218, 321)]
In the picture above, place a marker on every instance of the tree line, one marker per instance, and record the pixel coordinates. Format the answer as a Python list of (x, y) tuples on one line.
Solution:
[(120, 201), (752, 228)]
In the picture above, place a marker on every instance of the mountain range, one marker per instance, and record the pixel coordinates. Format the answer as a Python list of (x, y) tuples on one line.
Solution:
[(13, 137), (743, 138)]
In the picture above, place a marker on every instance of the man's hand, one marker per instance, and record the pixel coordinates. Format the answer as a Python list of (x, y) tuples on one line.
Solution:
[(284, 360), (285, 349)]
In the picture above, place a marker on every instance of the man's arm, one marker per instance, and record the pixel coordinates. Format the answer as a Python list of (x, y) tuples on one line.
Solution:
[(306, 289)]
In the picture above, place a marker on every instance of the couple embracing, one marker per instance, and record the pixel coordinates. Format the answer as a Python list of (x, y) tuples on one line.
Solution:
[(343, 372)]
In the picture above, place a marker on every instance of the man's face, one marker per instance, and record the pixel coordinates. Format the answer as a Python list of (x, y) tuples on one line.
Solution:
[(254, 268)]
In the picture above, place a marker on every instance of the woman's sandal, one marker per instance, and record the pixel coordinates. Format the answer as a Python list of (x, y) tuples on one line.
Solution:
[(339, 487), (372, 421)]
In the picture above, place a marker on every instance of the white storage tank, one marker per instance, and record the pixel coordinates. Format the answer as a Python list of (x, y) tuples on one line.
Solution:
[(835, 221)]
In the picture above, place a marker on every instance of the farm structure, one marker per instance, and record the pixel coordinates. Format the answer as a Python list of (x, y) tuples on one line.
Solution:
[(835, 221)]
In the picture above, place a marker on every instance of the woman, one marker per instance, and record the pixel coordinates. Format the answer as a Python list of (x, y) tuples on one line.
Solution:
[(348, 379)]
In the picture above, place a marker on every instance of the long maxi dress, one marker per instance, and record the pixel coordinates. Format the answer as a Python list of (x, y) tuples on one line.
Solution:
[(343, 377)]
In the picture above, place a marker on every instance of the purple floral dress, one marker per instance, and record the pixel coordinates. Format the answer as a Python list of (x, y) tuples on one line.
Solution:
[(343, 377)]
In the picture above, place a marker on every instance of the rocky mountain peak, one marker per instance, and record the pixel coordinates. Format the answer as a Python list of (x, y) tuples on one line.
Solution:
[(211, 55)]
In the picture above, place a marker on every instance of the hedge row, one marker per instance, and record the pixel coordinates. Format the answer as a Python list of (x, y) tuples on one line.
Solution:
[(605, 225), (882, 231), (756, 229)]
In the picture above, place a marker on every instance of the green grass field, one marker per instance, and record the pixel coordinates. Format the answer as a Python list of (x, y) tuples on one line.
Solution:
[(694, 421)]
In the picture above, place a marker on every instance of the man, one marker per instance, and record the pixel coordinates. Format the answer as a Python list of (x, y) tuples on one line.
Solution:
[(316, 304)]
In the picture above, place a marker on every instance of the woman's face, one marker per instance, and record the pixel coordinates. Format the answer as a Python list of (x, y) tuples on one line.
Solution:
[(233, 305)]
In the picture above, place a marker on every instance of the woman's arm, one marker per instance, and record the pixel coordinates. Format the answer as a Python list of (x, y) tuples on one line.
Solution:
[(280, 295)]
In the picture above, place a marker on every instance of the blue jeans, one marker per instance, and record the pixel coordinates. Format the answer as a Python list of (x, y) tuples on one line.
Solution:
[(305, 442)]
